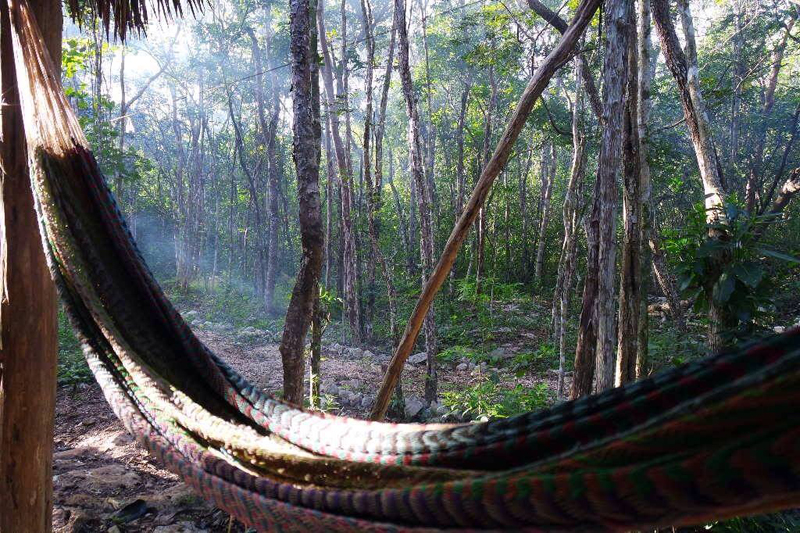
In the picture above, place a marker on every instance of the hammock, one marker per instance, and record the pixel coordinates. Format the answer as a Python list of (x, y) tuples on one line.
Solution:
[(712, 439)]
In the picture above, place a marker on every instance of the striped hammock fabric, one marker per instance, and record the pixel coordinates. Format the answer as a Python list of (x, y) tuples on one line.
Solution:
[(712, 439)]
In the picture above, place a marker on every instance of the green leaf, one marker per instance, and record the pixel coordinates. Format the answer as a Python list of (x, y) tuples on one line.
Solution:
[(779, 255), (723, 288), (748, 273)]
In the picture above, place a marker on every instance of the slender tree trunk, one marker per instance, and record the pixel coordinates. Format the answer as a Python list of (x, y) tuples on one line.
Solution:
[(571, 218), (418, 175), (28, 323), (685, 70), (345, 176), (549, 167), (314, 378), (375, 197), (306, 152), (646, 68)]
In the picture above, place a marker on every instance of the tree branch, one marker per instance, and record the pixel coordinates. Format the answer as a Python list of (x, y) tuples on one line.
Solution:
[(552, 18)]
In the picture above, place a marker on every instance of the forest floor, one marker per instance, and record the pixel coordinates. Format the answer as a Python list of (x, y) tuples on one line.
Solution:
[(104, 481), (494, 363)]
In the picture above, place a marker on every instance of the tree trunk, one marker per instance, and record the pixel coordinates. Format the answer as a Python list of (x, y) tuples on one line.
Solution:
[(28, 323), (584, 13), (684, 69), (646, 69), (306, 152), (630, 284), (345, 176), (571, 218), (423, 190), (375, 196), (549, 167)]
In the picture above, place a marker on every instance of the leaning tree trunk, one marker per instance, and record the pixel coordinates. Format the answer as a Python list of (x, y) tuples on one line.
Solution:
[(684, 69), (306, 153), (426, 227), (584, 13)]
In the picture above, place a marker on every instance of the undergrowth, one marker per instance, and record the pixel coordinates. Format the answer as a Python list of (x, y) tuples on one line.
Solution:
[(72, 367)]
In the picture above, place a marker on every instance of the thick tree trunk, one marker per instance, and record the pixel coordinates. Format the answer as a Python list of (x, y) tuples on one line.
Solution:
[(28, 323), (306, 152), (603, 212), (630, 285), (584, 13)]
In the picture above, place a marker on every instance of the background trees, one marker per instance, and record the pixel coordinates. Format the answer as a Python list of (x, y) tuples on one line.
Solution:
[(659, 159)]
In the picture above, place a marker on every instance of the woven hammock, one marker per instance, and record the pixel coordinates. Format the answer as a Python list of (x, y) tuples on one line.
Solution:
[(712, 439)]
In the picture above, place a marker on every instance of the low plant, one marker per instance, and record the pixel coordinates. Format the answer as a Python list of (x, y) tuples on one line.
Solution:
[(486, 399)]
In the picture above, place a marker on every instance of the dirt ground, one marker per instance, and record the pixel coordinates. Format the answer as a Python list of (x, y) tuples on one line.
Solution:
[(103, 481)]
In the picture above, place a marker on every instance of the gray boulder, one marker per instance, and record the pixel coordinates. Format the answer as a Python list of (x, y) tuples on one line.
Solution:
[(418, 358), (414, 405)]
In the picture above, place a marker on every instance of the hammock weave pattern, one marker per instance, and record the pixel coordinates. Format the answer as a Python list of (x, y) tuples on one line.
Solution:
[(711, 439)]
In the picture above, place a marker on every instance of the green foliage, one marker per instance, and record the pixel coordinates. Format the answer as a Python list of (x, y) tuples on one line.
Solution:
[(788, 522), (72, 367), (487, 399), (725, 262), (545, 356)]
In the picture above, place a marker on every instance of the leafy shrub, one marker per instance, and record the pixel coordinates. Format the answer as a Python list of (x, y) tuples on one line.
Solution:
[(486, 399), (741, 285), (545, 356)]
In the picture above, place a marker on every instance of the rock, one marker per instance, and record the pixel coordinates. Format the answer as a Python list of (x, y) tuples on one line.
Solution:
[(190, 315), (462, 367), (484, 366), (367, 354), (366, 402), (418, 358), (779, 329), (414, 405), (352, 384), (180, 527), (500, 353), (329, 388), (355, 353)]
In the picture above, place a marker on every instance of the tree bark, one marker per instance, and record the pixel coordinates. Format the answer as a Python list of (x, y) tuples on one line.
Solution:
[(28, 322), (352, 309), (306, 153), (609, 162), (571, 218), (630, 284), (496, 164), (423, 189), (549, 167)]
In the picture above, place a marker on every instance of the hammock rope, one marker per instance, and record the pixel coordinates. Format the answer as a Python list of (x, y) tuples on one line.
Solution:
[(710, 439)]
